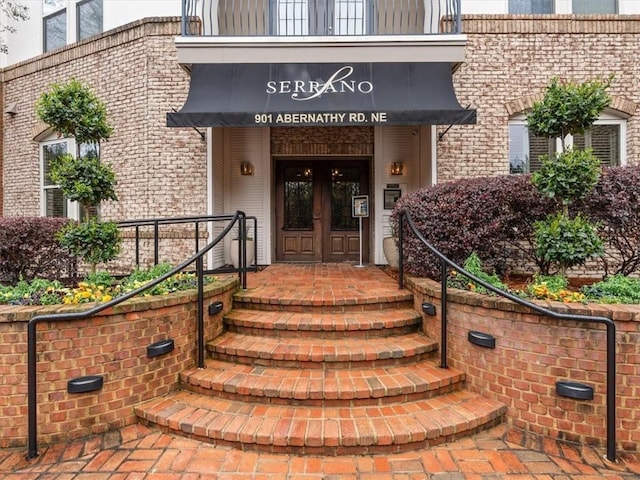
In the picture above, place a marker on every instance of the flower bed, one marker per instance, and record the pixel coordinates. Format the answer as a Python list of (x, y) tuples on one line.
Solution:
[(100, 287)]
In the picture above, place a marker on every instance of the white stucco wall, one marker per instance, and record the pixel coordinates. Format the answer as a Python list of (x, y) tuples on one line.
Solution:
[(27, 42), (625, 7)]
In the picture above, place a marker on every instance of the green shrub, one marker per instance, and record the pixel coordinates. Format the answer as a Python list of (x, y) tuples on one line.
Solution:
[(473, 265), (568, 175), (96, 242), (568, 242), (615, 289), (84, 179)]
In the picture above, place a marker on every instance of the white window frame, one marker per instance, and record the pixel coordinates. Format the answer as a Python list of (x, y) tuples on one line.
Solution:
[(606, 118), (73, 208)]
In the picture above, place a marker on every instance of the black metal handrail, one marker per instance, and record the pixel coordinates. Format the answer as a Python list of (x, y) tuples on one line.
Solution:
[(446, 263), (238, 218), (156, 223), (320, 17)]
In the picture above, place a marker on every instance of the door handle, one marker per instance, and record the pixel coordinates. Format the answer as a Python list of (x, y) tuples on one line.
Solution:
[(316, 215)]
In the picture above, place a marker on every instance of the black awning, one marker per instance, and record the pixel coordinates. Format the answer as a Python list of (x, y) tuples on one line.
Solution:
[(321, 94)]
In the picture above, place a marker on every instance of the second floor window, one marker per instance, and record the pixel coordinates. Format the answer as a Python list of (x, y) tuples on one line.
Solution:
[(55, 30), (594, 6), (531, 6), (89, 18)]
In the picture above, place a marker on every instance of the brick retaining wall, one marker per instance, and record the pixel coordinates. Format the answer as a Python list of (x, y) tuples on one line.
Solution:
[(112, 345), (533, 352)]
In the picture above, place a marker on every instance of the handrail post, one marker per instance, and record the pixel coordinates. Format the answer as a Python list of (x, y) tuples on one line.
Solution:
[(242, 244), (137, 246), (458, 20), (401, 250), (156, 242), (32, 403), (200, 310), (611, 391), (197, 236), (443, 315)]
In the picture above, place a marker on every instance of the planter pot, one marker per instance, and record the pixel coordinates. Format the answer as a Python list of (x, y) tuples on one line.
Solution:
[(390, 250), (233, 253)]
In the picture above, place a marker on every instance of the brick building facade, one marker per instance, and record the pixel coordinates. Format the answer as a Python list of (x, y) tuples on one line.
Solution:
[(509, 62), (133, 70), (163, 171)]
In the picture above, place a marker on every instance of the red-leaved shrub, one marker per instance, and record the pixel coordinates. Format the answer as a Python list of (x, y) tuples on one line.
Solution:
[(494, 217), (29, 249), (614, 204)]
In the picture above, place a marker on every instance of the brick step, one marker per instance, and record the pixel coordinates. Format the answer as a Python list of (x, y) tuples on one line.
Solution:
[(318, 430), (317, 387), (318, 353), (380, 323), (322, 301)]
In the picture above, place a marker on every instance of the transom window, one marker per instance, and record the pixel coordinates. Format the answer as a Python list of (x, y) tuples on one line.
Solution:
[(89, 18), (606, 138)]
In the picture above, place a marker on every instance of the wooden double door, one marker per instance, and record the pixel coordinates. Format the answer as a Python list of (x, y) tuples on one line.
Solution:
[(314, 210)]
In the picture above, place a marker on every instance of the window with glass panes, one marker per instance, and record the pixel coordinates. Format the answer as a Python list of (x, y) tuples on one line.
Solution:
[(313, 17), (605, 138), (55, 30), (531, 6), (53, 202), (89, 18), (594, 6)]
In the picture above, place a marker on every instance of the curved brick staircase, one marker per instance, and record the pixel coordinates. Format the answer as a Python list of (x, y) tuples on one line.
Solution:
[(323, 360)]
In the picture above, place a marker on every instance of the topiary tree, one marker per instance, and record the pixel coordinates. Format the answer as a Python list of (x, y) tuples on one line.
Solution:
[(569, 175), (73, 110)]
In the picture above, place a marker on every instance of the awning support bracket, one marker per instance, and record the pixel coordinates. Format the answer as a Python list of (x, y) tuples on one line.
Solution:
[(441, 136)]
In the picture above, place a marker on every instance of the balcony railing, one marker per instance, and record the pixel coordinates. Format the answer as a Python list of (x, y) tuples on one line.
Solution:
[(296, 18)]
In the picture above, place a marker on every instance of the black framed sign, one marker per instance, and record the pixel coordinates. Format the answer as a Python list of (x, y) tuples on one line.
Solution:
[(391, 195), (360, 206)]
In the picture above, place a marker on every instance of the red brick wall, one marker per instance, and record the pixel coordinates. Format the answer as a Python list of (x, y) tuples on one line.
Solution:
[(112, 345), (533, 352)]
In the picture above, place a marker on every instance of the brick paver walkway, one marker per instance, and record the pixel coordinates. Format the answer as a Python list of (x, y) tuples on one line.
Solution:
[(137, 452)]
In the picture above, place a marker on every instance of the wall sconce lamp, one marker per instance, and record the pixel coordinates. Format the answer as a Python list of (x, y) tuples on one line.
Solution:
[(396, 168), (11, 109), (246, 168)]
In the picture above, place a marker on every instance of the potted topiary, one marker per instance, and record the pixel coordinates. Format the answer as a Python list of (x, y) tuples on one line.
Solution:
[(73, 110)]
